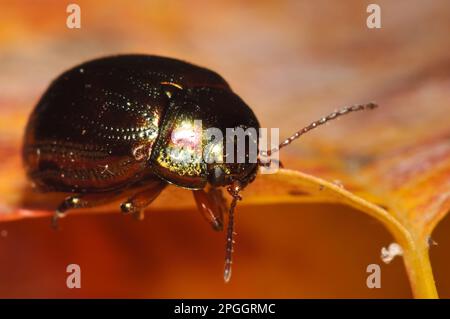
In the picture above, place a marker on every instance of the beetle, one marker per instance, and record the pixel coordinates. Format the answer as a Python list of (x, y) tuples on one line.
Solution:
[(120, 127)]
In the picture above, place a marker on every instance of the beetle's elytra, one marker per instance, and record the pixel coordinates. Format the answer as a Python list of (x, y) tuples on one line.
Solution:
[(105, 129)]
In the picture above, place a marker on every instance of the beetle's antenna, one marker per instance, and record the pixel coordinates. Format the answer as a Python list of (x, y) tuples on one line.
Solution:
[(323, 120), (234, 191)]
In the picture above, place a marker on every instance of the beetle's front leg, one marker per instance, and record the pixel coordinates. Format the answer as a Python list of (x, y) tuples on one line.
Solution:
[(82, 201), (212, 206), (137, 203)]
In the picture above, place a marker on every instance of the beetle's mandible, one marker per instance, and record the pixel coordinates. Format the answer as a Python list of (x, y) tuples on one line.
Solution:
[(104, 130)]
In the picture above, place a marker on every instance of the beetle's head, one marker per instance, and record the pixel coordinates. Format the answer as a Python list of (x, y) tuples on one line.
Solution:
[(234, 159)]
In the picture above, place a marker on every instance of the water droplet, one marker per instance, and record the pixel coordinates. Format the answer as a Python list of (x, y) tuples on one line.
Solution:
[(388, 254)]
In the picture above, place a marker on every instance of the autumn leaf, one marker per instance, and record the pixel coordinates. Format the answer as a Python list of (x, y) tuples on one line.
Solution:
[(406, 188)]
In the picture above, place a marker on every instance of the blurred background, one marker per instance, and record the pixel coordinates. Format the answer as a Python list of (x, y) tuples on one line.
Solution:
[(292, 62)]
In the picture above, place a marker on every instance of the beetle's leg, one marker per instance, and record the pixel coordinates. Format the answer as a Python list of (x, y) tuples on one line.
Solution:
[(82, 201), (217, 196), (137, 203), (212, 206)]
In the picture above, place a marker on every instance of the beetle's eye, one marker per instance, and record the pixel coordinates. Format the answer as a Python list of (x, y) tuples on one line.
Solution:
[(216, 176)]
